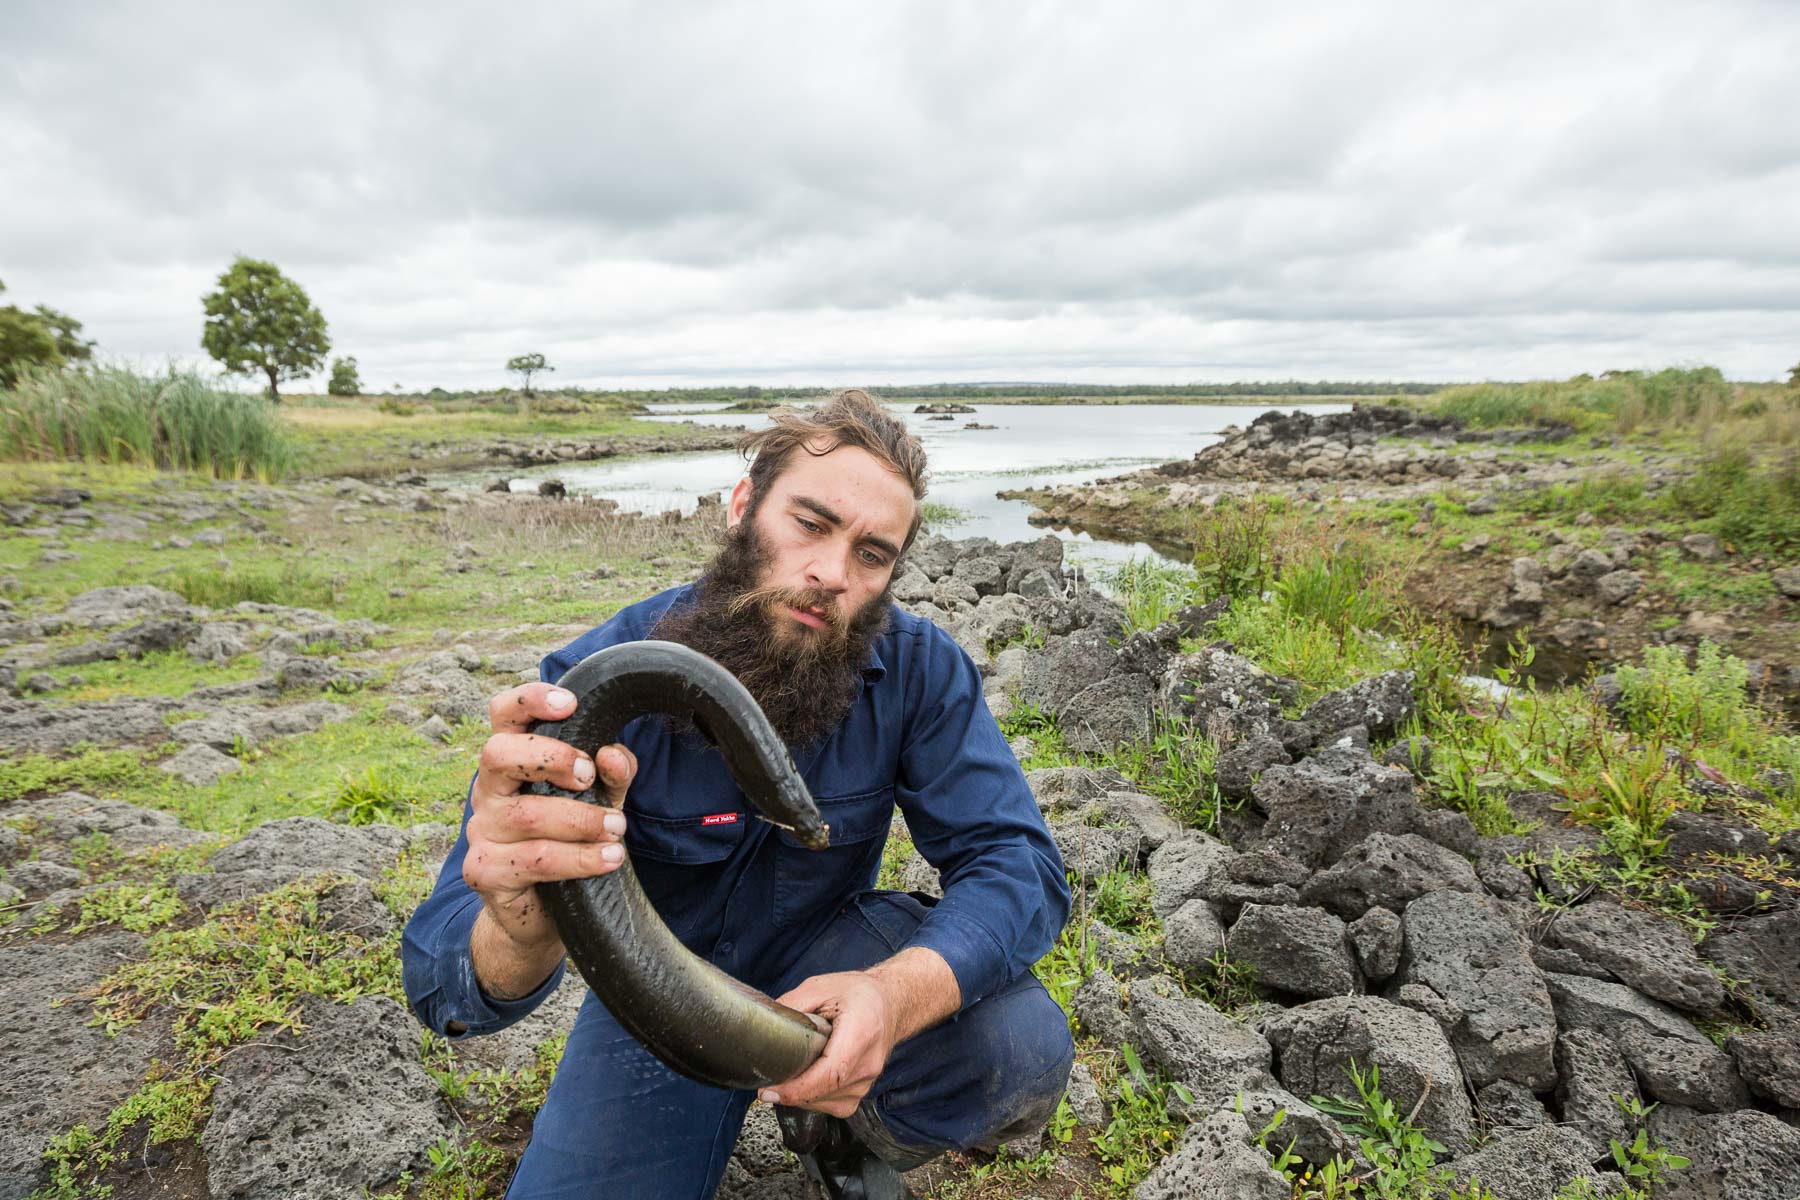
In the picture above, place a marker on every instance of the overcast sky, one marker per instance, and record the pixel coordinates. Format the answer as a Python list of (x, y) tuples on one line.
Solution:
[(689, 193)]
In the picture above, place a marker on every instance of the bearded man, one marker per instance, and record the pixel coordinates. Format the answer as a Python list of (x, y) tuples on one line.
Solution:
[(941, 1037)]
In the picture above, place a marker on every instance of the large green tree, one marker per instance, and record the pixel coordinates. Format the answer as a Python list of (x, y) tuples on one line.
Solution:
[(528, 365), (45, 338), (260, 321)]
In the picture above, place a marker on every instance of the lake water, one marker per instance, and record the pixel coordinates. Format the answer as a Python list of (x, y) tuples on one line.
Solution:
[(1033, 445)]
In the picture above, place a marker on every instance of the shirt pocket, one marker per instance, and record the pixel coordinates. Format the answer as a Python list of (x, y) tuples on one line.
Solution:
[(808, 882), (684, 840)]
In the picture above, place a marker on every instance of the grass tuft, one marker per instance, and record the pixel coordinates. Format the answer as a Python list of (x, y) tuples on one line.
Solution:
[(176, 421)]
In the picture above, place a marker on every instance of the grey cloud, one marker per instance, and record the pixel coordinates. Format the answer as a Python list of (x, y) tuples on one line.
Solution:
[(929, 190)]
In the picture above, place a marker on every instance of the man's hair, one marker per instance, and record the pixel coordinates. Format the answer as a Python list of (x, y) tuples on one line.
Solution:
[(848, 418)]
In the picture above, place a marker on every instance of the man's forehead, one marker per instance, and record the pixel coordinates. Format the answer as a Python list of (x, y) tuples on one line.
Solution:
[(855, 487)]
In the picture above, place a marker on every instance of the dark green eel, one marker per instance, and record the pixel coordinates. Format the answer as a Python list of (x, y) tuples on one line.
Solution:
[(694, 1017)]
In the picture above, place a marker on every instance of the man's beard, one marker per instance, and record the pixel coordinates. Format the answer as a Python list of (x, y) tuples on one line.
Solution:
[(804, 678)]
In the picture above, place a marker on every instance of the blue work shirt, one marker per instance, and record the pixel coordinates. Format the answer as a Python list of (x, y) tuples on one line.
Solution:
[(747, 896)]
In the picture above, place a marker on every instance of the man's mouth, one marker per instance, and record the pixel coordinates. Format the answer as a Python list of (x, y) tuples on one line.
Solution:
[(809, 616)]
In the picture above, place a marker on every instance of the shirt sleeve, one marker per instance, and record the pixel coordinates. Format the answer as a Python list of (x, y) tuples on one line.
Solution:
[(436, 968), (970, 813)]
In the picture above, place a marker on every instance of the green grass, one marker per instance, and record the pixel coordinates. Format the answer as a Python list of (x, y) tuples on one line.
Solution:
[(113, 415)]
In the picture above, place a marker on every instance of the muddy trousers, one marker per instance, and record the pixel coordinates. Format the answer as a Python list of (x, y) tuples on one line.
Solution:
[(620, 1125)]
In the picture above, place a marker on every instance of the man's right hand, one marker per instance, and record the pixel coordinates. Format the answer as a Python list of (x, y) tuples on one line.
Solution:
[(518, 840)]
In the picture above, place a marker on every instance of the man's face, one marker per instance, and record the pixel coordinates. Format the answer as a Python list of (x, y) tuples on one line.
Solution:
[(830, 530), (797, 594)]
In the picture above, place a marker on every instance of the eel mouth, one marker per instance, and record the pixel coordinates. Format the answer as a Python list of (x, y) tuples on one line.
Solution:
[(696, 1019)]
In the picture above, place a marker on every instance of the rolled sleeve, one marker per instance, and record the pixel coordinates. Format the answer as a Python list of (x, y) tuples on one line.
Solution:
[(437, 971), (972, 817)]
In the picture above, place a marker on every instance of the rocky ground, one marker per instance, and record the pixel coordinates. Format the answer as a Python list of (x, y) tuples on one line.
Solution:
[(239, 718), (1495, 528)]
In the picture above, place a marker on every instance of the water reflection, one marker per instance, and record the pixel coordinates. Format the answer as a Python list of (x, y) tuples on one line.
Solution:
[(1030, 445)]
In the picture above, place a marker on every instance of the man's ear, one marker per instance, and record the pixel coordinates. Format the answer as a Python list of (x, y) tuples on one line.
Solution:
[(740, 502)]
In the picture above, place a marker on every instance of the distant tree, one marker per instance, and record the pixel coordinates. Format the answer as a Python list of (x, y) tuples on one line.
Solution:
[(261, 321), (1794, 375), (528, 365), (343, 378), (67, 332), (24, 342), (45, 338)]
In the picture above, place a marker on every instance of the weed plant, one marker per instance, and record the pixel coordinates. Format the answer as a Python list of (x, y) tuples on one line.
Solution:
[(176, 421)]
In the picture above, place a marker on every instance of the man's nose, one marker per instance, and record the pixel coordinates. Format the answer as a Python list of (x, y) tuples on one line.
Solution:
[(829, 573)]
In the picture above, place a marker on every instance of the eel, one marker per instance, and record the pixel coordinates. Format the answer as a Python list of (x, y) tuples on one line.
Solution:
[(698, 1020)]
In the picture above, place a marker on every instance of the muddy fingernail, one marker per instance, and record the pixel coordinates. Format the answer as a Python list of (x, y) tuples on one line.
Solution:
[(584, 772), (615, 824), (558, 697), (612, 854)]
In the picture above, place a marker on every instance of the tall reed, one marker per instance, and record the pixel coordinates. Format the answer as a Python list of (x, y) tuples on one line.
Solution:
[(114, 415)]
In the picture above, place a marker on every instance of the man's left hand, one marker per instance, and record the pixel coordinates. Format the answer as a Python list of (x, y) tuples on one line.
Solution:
[(864, 1031)]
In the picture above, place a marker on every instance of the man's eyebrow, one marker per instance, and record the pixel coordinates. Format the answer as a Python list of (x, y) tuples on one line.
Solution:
[(880, 543)]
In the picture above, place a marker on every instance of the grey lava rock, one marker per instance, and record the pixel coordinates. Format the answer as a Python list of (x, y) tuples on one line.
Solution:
[(1763, 954), (1192, 934), (61, 1071), (1651, 953), (1388, 871), (1377, 937), (1239, 766), (1463, 948), (1770, 1064), (1107, 713), (1099, 1011), (1143, 815), (1504, 1105), (1379, 704), (1090, 851), (1323, 805), (1304, 951), (1064, 787), (200, 766), (1618, 587), (67, 816), (1215, 1158), (1197, 1043), (342, 1107), (1189, 868), (39, 875), (1592, 1071), (1084, 1097), (1533, 1164), (1745, 1155), (1316, 1043), (1680, 1072), (1613, 1008)]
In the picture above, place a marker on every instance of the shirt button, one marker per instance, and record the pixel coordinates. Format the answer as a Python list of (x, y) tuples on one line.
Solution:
[(727, 947)]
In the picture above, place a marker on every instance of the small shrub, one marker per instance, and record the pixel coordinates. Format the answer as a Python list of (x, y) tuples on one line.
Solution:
[(1234, 549)]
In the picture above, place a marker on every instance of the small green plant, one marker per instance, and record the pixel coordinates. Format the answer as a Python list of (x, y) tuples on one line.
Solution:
[(1234, 549), (1121, 899), (379, 796), (1142, 1129), (1403, 1157), (1150, 592)]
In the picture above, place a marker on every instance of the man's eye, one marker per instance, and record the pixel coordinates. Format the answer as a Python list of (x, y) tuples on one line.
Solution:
[(873, 559), (809, 526)]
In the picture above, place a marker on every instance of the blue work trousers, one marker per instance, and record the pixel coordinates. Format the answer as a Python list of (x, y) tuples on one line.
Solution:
[(619, 1124)]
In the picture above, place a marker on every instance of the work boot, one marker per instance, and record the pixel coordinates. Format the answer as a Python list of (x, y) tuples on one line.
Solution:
[(839, 1166)]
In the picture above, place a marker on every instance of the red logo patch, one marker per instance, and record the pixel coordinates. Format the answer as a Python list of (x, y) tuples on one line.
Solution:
[(720, 819)]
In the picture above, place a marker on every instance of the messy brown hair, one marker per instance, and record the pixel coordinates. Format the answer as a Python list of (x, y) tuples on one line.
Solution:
[(848, 418)]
